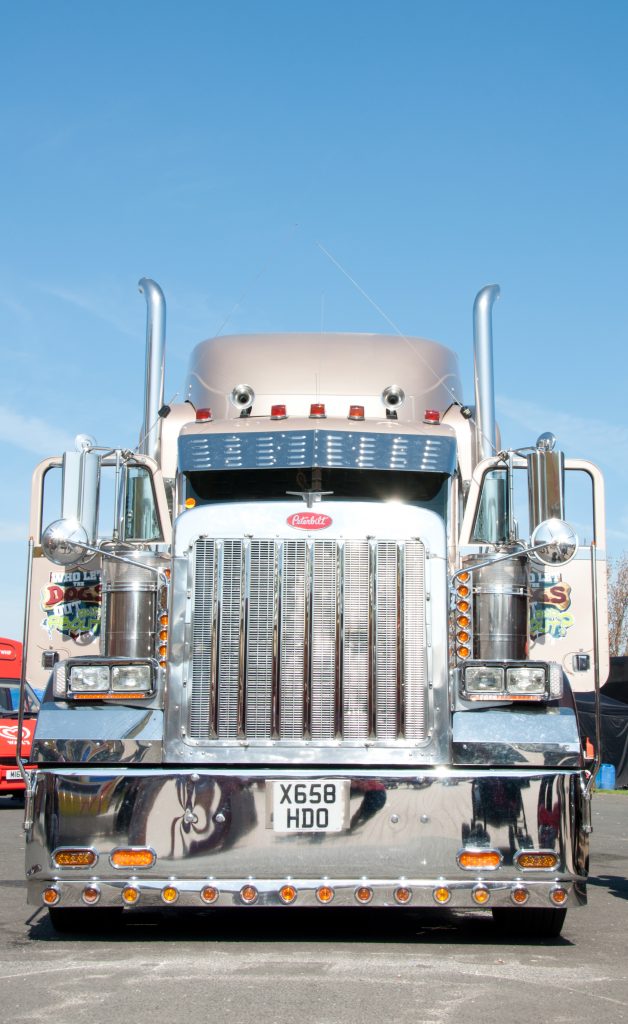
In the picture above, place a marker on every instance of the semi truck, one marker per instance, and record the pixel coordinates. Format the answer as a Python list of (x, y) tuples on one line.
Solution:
[(314, 642)]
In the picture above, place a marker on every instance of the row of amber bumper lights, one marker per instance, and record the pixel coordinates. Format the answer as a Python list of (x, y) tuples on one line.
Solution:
[(249, 895)]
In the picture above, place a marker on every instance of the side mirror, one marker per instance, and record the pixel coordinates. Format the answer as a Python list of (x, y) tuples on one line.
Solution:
[(65, 542), (546, 481), (554, 542), (81, 483)]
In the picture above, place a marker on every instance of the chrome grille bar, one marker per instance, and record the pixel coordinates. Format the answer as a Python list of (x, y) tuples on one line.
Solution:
[(414, 643), (200, 709), (230, 676), (324, 641), (260, 638), (292, 642), (386, 642), (356, 664)]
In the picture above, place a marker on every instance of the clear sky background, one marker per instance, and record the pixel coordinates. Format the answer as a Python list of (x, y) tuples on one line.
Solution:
[(430, 147)]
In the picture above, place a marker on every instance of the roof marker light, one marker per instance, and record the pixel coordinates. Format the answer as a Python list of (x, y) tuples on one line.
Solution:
[(203, 415), (431, 416), (356, 412), (278, 412), (317, 411)]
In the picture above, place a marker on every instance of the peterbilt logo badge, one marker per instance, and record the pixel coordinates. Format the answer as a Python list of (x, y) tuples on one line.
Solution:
[(309, 521)]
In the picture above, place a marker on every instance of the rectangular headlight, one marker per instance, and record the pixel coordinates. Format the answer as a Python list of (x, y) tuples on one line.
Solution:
[(483, 679), (131, 678), (89, 678), (526, 679)]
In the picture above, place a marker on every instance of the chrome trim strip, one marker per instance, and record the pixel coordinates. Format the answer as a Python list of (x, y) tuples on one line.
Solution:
[(324, 448)]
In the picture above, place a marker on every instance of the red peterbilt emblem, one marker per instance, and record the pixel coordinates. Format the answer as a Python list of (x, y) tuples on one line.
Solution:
[(309, 521)]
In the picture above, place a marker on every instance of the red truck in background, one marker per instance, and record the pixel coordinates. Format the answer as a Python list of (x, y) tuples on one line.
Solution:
[(11, 781)]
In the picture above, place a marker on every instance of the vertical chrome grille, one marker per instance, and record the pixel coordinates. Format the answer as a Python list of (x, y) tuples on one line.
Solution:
[(308, 640), (324, 640)]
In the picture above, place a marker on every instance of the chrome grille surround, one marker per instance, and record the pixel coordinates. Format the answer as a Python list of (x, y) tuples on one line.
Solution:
[(334, 648), (302, 640)]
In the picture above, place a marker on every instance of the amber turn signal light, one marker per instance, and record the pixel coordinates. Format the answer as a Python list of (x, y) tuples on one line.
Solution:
[(74, 858), (471, 860), (541, 861), (129, 858)]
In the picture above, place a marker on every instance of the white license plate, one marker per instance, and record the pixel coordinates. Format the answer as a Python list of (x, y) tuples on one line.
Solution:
[(13, 774), (314, 805)]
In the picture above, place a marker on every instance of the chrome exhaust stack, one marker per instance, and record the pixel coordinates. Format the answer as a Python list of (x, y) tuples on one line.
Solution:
[(150, 442), (486, 431)]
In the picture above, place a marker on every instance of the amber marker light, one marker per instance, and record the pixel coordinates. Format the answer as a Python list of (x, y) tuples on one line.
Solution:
[(520, 895), (287, 894), (248, 894), (50, 896), (169, 894), (463, 637), (542, 861), (463, 591), (90, 895), (190, 502), (209, 894), (74, 858), (324, 894), (130, 895), (463, 606), (463, 652), (364, 894), (442, 894), (558, 896), (163, 650), (471, 860), (480, 894), (403, 895), (129, 858)]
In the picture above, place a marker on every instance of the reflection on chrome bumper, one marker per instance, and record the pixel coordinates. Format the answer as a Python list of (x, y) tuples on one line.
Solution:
[(211, 830)]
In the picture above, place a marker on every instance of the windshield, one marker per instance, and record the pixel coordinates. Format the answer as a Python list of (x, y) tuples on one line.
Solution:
[(10, 698), (427, 490)]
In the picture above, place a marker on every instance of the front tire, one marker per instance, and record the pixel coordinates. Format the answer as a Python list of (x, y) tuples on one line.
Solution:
[(533, 922)]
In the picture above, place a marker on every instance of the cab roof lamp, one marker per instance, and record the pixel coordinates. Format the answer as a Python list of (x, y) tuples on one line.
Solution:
[(278, 412), (203, 415), (431, 416), (317, 411)]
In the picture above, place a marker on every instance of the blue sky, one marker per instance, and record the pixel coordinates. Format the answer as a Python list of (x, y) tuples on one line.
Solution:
[(430, 147)]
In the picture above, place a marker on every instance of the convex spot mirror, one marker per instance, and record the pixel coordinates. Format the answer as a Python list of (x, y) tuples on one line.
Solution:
[(65, 542), (555, 542)]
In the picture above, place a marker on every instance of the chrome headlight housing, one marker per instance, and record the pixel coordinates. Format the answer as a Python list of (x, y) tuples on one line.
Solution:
[(106, 679), (512, 681)]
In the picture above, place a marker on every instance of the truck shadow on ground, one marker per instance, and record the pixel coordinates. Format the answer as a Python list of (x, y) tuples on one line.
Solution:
[(617, 885), (265, 925)]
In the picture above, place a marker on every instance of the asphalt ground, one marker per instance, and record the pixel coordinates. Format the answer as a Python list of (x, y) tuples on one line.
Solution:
[(259, 966)]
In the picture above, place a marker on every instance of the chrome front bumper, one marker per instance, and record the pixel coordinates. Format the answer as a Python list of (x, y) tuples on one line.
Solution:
[(405, 831)]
